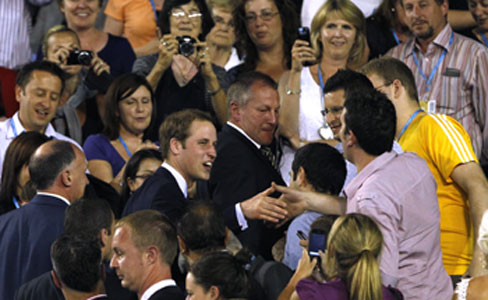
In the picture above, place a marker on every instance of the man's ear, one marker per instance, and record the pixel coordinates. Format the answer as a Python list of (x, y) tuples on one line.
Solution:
[(175, 146), (57, 281), (351, 139), (66, 178), (302, 177), (104, 236), (214, 292), (18, 91), (398, 88), (235, 112), (181, 243), (151, 254)]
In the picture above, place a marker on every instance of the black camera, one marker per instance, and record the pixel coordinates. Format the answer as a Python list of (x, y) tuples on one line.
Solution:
[(304, 34), (79, 57), (186, 45)]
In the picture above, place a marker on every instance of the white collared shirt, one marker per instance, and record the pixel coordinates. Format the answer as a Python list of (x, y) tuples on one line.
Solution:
[(182, 184), (156, 287), (12, 127), (244, 134), (55, 196)]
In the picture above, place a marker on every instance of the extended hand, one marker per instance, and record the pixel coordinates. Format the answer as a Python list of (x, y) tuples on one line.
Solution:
[(264, 207)]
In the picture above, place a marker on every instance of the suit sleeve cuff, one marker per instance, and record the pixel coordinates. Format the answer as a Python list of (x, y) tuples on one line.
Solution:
[(241, 220)]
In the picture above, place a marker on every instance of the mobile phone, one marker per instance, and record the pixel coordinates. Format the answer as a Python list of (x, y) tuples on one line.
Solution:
[(317, 241), (304, 35), (301, 235)]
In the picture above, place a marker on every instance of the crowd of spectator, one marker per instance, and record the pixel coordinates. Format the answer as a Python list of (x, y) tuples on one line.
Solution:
[(243, 149)]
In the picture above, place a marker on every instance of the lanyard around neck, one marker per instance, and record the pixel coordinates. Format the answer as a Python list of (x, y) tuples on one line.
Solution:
[(321, 80), (395, 35), (12, 125), (408, 123), (485, 40), (429, 80), (125, 146)]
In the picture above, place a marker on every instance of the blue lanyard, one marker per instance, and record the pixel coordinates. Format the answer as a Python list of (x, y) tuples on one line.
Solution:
[(154, 10), (408, 123), (16, 202), (13, 127), (485, 40), (125, 146), (429, 80), (395, 36), (321, 80)]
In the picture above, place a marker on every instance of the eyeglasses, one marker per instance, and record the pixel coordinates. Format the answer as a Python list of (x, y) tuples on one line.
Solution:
[(180, 14), (221, 22), (265, 15), (336, 110), (383, 85)]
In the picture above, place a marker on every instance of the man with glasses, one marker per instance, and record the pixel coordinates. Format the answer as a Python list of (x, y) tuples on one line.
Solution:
[(445, 145)]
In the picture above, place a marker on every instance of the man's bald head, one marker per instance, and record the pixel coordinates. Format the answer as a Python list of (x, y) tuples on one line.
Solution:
[(49, 160)]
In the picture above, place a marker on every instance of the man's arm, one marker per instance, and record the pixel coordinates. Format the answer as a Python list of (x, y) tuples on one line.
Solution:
[(299, 201), (472, 181)]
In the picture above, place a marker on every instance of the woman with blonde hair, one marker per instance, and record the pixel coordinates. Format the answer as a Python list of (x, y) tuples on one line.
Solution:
[(350, 264), (338, 41)]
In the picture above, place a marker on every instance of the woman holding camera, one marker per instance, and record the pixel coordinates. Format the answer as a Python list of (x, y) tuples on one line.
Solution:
[(338, 41), (128, 113), (181, 74), (80, 16)]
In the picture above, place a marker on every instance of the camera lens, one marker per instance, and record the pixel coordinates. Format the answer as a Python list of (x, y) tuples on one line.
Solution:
[(84, 57)]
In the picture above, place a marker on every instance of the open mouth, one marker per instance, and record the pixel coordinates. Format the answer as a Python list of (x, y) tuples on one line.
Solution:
[(41, 113), (208, 164)]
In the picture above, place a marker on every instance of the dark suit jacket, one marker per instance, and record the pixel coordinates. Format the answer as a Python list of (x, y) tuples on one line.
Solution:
[(43, 288), (26, 235), (160, 192), (239, 172), (168, 293)]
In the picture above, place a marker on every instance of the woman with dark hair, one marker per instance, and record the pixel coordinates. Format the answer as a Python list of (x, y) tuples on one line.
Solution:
[(140, 166), (386, 28), (15, 190), (182, 74), (129, 110), (338, 41), (266, 30), (217, 276)]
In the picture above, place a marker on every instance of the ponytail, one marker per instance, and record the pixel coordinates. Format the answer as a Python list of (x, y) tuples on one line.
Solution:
[(354, 245), (364, 279)]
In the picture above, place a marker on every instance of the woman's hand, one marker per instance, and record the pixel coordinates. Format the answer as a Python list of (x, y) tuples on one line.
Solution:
[(203, 61), (167, 48), (305, 265), (300, 53), (98, 65)]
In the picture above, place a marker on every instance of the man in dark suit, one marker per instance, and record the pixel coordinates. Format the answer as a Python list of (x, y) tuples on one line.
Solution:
[(57, 168), (188, 141), (145, 247), (88, 215), (245, 166), (77, 266)]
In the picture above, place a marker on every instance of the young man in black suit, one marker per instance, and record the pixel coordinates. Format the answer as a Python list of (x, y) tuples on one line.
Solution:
[(145, 247), (188, 141), (245, 166)]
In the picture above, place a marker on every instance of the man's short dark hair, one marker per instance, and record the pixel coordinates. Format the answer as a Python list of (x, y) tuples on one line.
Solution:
[(177, 125), (324, 166), (45, 168), (25, 74), (349, 81), (88, 215), (202, 228), (372, 118), (240, 90), (76, 260), (152, 228)]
